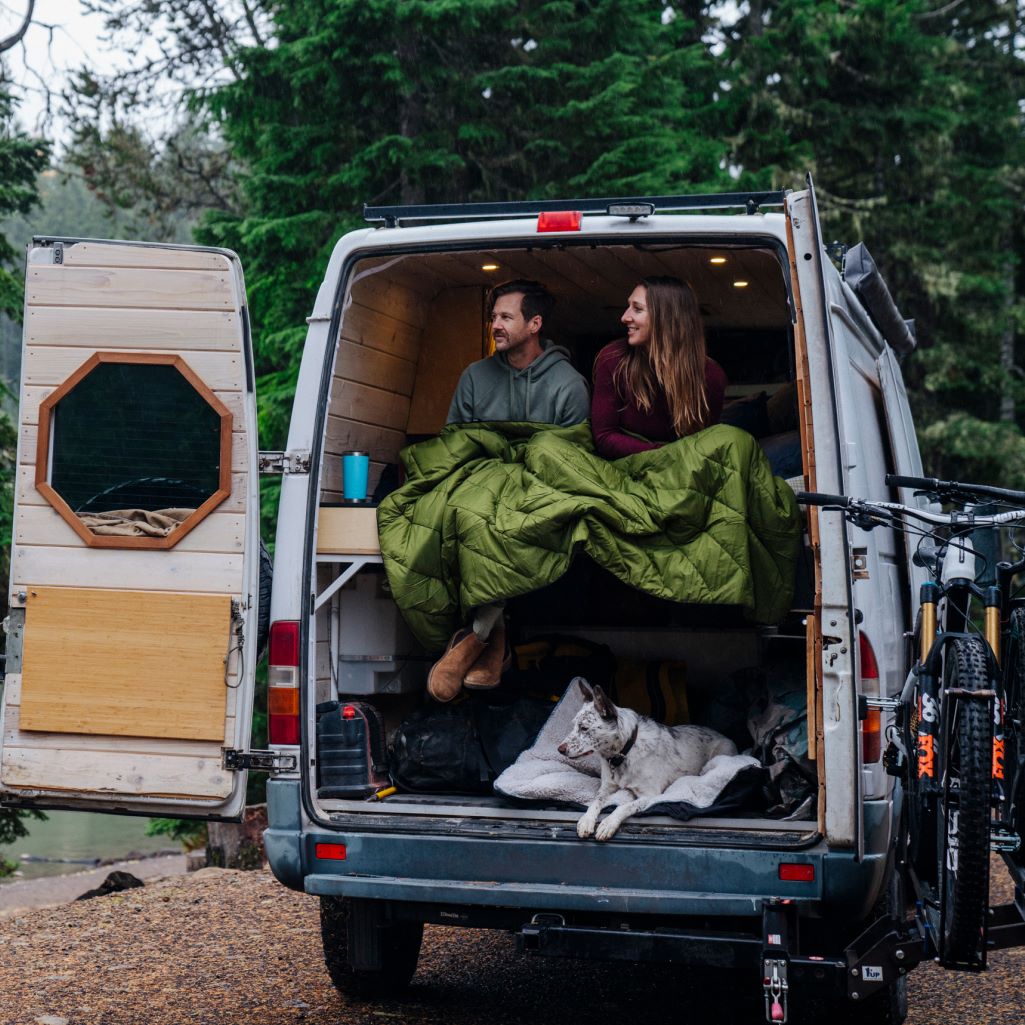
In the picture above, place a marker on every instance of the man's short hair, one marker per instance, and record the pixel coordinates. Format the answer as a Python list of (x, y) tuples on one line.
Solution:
[(537, 300)]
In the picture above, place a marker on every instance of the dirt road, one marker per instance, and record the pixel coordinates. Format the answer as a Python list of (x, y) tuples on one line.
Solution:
[(231, 948)]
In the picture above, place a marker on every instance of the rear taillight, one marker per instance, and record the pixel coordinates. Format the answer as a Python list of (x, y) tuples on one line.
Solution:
[(871, 725), (283, 683)]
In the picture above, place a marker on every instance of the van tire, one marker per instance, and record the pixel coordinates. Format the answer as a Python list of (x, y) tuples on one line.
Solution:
[(965, 895), (344, 926)]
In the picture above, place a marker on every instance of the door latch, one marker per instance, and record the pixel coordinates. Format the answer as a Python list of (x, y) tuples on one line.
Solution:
[(284, 462)]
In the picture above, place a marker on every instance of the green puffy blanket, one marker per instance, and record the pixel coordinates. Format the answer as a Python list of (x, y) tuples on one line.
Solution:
[(490, 511)]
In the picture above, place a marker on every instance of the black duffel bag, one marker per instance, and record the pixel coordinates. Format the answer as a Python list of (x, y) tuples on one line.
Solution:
[(462, 748)]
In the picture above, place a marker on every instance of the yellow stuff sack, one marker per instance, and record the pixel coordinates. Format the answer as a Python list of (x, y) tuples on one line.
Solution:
[(655, 689)]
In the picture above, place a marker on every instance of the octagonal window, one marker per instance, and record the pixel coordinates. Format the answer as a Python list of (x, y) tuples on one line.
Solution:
[(134, 450)]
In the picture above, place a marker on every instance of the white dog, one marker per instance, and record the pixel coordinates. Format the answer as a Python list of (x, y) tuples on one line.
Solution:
[(637, 754)]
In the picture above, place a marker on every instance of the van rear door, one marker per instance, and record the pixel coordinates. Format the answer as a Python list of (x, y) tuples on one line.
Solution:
[(135, 557)]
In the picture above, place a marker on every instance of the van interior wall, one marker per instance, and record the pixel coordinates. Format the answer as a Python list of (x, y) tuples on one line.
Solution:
[(414, 323)]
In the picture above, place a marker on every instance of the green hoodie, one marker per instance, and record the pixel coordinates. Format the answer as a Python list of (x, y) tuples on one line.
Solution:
[(547, 391)]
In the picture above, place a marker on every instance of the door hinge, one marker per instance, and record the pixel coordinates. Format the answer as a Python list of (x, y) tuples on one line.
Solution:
[(284, 462), (263, 761)]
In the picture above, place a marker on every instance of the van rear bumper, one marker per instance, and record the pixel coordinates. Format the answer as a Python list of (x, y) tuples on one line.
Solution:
[(564, 873), (538, 896)]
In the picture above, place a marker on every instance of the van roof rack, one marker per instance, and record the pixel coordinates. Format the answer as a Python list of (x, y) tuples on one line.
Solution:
[(631, 206)]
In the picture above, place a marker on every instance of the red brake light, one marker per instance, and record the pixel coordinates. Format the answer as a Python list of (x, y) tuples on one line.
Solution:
[(283, 683), (283, 729), (559, 220), (284, 643), (348, 712), (869, 666), (872, 724), (790, 872)]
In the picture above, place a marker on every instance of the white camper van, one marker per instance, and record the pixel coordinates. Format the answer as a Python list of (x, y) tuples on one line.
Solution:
[(132, 635)]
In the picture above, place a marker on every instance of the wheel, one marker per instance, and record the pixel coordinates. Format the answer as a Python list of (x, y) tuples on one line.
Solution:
[(1014, 737), (963, 825), (350, 930)]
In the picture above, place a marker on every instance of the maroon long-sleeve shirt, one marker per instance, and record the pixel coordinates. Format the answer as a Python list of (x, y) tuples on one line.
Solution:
[(613, 413)]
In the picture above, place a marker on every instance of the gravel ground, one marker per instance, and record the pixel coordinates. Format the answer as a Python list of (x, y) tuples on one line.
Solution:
[(237, 948)]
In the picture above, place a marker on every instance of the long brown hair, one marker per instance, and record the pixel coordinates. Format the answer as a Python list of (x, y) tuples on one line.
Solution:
[(674, 357)]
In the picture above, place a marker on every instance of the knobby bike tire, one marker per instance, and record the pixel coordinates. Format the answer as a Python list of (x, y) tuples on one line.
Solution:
[(966, 822), (1014, 739)]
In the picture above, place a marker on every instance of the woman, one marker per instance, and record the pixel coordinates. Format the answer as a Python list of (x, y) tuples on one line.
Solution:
[(657, 384)]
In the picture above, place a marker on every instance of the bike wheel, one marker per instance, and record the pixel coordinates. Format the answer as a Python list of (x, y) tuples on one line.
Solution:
[(1014, 714), (963, 824)]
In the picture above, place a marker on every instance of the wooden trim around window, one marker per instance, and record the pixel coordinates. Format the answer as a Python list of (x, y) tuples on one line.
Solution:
[(44, 487)]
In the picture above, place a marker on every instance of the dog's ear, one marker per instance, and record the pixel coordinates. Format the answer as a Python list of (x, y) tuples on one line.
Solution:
[(606, 709), (588, 696)]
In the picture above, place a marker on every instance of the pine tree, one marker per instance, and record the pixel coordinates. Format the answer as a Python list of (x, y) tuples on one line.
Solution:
[(428, 101), (908, 116)]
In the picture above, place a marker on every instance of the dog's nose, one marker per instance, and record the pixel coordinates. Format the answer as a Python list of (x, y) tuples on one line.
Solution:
[(562, 749)]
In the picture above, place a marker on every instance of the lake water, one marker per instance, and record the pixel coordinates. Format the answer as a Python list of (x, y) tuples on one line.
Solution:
[(79, 839)]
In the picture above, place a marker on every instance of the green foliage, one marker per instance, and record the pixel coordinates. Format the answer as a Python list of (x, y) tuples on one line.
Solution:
[(377, 100), (908, 115), (188, 832), (21, 159)]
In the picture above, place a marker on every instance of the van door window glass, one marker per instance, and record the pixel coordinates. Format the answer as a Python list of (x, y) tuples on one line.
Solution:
[(135, 449)]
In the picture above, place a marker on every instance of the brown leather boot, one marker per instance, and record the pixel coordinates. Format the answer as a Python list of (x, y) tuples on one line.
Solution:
[(495, 659), (446, 676)]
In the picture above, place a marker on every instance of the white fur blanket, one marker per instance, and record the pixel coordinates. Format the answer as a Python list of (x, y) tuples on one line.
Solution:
[(542, 774)]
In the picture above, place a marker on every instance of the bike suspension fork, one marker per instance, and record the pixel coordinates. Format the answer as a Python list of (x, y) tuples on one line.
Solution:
[(928, 708)]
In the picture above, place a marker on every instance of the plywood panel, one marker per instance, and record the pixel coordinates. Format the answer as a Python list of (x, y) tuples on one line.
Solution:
[(379, 331), (343, 435), (128, 287), (52, 365), (104, 254), (218, 532), (399, 300), (136, 775), (156, 746), (95, 328), (167, 570), (369, 405), (370, 366), (28, 495), (125, 663), (352, 531), (452, 339)]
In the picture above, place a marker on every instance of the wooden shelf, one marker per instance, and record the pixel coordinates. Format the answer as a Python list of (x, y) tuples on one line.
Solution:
[(347, 530)]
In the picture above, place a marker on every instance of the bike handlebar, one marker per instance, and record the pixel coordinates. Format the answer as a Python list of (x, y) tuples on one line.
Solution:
[(818, 498), (934, 485)]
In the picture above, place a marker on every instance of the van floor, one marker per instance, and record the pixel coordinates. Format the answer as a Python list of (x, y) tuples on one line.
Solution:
[(489, 806)]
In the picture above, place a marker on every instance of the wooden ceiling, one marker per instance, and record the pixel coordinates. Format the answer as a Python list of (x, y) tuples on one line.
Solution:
[(591, 285)]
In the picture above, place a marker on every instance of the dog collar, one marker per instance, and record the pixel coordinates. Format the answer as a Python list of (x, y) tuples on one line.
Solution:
[(617, 760)]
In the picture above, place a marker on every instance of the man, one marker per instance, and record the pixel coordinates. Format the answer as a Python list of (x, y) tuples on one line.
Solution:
[(527, 379)]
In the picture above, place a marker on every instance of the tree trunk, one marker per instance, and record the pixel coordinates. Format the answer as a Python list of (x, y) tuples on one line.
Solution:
[(238, 844)]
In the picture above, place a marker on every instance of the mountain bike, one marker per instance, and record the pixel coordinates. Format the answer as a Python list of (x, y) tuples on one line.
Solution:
[(957, 742)]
